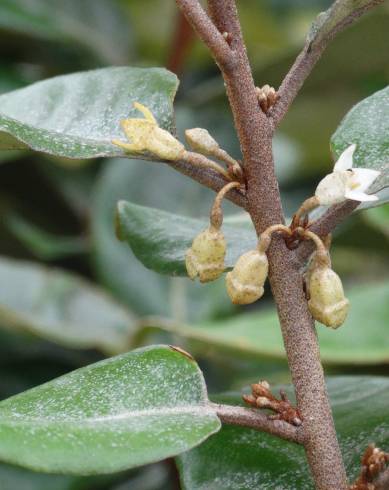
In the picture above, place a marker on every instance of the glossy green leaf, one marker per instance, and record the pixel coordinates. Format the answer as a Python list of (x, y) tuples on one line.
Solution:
[(42, 244), (367, 125), (237, 458), (123, 412), (363, 339), (61, 307), (145, 291), (78, 115), (160, 239), (100, 27), (337, 14)]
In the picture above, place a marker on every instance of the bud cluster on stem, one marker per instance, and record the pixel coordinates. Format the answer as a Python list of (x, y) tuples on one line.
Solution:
[(262, 397)]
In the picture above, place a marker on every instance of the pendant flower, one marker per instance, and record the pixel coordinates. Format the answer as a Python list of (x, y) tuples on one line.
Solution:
[(145, 135), (345, 182)]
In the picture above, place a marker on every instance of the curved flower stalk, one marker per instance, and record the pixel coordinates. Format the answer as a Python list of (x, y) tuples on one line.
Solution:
[(205, 258)]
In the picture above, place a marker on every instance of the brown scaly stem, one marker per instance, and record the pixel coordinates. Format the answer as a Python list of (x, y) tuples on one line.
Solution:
[(264, 205), (209, 178), (306, 61), (255, 131), (254, 419)]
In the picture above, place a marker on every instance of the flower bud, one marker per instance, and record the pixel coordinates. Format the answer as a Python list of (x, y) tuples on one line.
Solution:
[(327, 302), (245, 282), (201, 141), (205, 258)]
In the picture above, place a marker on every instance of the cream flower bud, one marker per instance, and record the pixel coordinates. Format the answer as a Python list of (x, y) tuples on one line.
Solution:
[(201, 141), (245, 282), (327, 302), (146, 136), (205, 258)]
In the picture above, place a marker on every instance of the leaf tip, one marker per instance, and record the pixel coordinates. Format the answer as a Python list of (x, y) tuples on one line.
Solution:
[(182, 351)]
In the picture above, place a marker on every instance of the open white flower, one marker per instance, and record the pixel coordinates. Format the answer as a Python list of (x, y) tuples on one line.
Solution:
[(345, 182)]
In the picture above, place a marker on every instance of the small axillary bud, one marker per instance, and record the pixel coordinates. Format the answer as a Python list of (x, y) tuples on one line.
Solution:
[(205, 258), (267, 97), (146, 136), (245, 283), (327, 302), (202, 142)]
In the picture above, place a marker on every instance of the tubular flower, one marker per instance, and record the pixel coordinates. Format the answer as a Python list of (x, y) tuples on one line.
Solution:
[(145, 135), (205, 258), (327, 302), (245, 282), (345, 182)]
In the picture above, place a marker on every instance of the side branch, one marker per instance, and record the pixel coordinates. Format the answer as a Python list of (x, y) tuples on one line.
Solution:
[(305, 63), (207, 32), (254, 419), (209, 178)]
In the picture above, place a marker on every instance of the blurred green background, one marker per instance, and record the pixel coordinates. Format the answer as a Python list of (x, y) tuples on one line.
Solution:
[(59, 214)]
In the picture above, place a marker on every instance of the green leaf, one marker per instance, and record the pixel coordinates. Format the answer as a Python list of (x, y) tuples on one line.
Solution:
[(123, 412), (13, 478), (238, 458), (378, 218), (61, 307), (44, 245), (367, 125), (363, 339), (100, 27), (145, 291), (74, 185), (78, 115), (337, 14), (160, 239)]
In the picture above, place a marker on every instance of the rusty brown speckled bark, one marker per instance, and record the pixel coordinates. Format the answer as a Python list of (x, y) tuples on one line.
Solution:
[(255, 130)]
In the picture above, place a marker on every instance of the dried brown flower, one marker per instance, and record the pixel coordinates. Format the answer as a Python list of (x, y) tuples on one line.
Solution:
[(373, 462), (262, 397)]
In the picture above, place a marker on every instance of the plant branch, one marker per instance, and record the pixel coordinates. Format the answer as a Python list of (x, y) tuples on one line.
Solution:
[(306, 61), (208, 178), (255, 132), (254, 419), (207, 31)]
